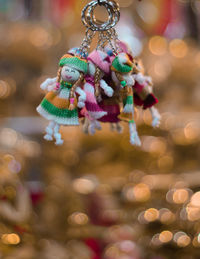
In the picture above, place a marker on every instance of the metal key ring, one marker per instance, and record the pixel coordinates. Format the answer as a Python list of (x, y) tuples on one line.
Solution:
[(96, 24), (89, 20), (114, 15)]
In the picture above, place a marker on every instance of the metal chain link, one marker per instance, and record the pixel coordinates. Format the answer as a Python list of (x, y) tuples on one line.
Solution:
[(106, 31), (90, 21), (85, 45)]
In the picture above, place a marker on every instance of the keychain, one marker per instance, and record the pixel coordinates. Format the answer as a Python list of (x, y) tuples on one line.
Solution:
[(143, 94), (60, 105), (121, 67), (143, 88), (99, 86)]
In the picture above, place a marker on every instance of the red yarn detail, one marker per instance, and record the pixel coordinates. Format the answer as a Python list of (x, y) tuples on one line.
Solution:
[(150, 101), (137, 100)]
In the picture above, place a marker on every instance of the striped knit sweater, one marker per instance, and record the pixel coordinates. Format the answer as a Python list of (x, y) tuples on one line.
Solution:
[(55, 106)]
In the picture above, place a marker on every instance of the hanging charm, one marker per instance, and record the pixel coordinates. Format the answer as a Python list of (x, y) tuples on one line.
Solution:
[(103, 85), (61, 103)]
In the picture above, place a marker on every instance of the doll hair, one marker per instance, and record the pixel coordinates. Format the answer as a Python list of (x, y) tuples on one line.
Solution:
[(119, 76), (75, 85), (59, 75), (73, 89), (97, 78)]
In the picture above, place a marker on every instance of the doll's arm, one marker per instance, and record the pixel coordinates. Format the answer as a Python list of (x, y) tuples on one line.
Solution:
[(140, 78), (149, 80), (82, 97), (107, 89), (129, 79), (49, 84)]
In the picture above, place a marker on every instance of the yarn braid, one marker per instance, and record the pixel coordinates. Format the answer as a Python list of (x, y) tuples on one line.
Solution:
[(97, 79), (119, 76), (125, 91), (59, 75), (73, 89)]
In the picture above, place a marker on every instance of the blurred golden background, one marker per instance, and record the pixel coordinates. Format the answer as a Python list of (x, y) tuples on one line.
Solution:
[(98, 197)]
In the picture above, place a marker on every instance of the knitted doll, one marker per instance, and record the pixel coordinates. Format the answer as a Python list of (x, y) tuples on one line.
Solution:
[(60, 105), (98, 66), (112, 106), (122, 67), (143, 95)]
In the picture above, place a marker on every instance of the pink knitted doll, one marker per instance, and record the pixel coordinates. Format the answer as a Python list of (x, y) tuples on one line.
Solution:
[(111, 106), (98, 66)]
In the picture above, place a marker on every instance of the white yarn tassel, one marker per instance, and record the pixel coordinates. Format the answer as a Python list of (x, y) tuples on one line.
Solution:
[(134, 138), (156, 117)]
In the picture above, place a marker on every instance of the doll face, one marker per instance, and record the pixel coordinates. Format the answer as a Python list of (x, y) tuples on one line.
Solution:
[(69, 74)]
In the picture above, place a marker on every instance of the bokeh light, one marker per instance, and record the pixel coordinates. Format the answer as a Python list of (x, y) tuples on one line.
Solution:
[(178, 48)]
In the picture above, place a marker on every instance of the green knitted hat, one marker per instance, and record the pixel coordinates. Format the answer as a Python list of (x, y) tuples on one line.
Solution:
[(74, 62), (122, 64)]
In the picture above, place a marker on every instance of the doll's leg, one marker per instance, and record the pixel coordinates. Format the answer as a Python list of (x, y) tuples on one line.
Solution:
[(112, 126), (116, 127), (57, 135), (49, 131), (93, 126), (119, 127), (86, 124), (134, 138), (97, 125), (156, 117)]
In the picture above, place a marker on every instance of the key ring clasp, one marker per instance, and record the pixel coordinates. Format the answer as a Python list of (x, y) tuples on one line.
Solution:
[(89, 20)]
